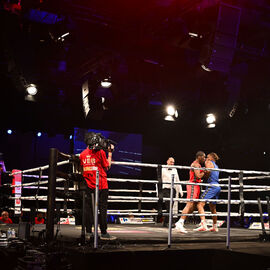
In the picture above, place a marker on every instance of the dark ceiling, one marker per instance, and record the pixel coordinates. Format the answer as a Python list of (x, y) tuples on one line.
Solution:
[(145, 46)]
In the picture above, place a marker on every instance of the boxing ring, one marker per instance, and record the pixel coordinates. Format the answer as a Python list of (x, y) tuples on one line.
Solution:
[(36, 180)]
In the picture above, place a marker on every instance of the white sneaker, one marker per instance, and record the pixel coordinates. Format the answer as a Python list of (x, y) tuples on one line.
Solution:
[(179, 227), (202, 228), (213, 229)]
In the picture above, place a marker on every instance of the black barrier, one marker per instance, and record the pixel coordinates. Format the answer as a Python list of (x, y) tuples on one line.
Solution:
[(24, 231)]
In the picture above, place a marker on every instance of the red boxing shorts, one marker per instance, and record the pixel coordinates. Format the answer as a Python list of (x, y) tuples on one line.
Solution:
[(193, 192)]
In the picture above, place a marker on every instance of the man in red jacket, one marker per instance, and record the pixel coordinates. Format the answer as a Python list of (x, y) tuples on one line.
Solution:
[(5, 218), (39, 219), (91, 160)]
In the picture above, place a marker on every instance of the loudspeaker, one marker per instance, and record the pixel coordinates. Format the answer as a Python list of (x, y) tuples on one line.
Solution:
[(222, 48), (85, 98), (92, 105), (24, 231)]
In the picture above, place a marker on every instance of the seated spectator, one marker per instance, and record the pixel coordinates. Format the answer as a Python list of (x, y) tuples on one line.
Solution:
[(39, 219), (5, 218)]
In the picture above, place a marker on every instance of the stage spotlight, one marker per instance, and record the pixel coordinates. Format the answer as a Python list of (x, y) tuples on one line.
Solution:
[(172, 113), (31, 89), (206, 68), (210, 118), (193, 34), (9, 131), (39, 134), (106, 83), (170, 110), (211, 125), (70, 137), (62, 36), (169, 118)]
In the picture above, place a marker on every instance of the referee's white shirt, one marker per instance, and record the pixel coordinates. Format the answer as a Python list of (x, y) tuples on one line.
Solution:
[(166, 174)]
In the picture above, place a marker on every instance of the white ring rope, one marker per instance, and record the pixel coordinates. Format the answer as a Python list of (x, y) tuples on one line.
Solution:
[(218, 201), (218, 185), (110, 190), (254, 188), (45, 188), (221, 214), (155, 181), (147, 191), (134, 210), (237, 178), (36, 183), (42, 168), (248, 190), (195, 213), (132, 190), (41, 198), (123, 200), (35, 187), (154, 199), (245, 178), (35, 176), (132, 180), (132, 214), (189, 168), (152, 166)]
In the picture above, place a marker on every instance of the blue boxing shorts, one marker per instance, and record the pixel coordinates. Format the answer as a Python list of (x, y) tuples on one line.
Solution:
[(211, 193)]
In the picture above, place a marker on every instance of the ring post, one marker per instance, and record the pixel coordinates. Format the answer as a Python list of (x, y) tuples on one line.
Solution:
[(241, 197), (51, 194), (170, 213), (228, 214), (160, 192), (140, 201), (96, 211), (268, 211), (37, 192), (83, 218), (263, 236)]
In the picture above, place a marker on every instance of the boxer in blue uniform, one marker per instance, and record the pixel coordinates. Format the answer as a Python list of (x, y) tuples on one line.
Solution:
[(210, 192)]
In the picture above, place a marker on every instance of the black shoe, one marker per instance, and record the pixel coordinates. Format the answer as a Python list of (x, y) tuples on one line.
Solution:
[(107, 237), (89, 236)]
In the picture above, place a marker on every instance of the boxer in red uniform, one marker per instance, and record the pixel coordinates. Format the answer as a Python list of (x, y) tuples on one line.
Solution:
[(5, 218), (193, 192), (91, 160)]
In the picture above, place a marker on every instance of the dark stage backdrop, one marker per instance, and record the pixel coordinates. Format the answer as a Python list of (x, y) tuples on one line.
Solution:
[(128, 148), (24, 150)]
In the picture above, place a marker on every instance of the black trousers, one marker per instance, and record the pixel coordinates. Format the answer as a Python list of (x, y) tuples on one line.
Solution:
[(167, 194), (89, 210)]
